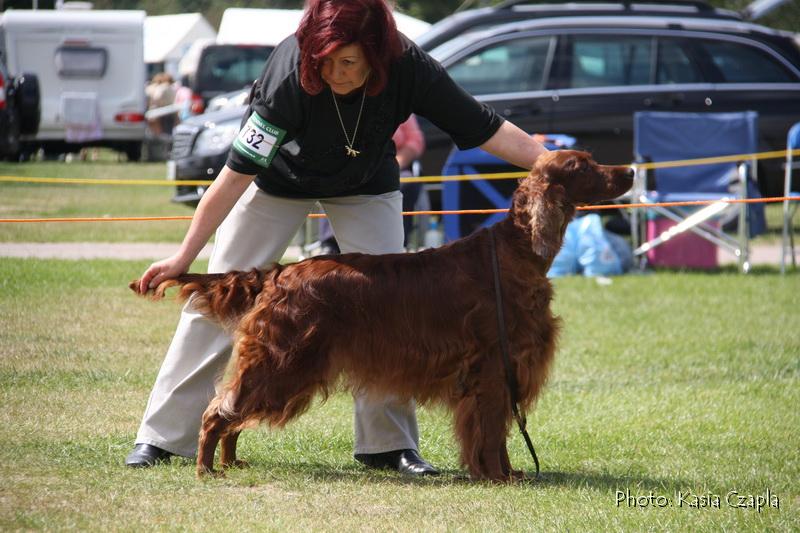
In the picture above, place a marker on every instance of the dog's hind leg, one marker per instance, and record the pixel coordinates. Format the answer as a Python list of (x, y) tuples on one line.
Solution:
[(227, 455), (213, 427)]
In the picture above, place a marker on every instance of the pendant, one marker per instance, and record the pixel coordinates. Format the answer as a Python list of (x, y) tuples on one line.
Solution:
[(351, 152)]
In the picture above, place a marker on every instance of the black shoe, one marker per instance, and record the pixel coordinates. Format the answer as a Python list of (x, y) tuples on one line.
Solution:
[(409, 462), (404, 461), (146, 455)]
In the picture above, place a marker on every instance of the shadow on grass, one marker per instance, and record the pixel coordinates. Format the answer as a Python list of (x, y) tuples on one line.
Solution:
[(327, 473), (755, 270), (608, 482)]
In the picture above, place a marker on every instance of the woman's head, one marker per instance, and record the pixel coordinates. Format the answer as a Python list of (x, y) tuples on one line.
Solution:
[(345, 42)]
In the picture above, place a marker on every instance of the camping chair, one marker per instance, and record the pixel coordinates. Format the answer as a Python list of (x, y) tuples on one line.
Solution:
[(668, 136), (789, 208), (481, 193)]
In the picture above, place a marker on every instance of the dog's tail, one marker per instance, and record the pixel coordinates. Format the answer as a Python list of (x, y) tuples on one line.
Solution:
[(221, 297)]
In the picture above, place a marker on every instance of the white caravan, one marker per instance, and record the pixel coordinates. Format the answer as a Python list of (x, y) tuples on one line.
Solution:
[(91, 72)]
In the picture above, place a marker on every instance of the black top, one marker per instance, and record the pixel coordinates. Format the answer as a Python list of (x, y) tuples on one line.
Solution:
[(312, 161)]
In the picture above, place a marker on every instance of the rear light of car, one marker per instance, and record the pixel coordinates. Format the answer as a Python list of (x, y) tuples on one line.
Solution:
[(129, 117), (2, 91), (197, 106)]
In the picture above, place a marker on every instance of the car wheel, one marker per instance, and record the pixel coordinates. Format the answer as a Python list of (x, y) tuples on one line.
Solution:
[(9, 146), (134, 151)]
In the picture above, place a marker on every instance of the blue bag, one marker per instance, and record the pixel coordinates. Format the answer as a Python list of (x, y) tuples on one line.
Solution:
[(590, 250)]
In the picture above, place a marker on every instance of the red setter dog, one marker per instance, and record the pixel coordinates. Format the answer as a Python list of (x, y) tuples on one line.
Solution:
[(419, 325)]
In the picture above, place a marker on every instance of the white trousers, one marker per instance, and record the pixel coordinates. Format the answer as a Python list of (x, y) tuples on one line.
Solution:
[(256, 233)]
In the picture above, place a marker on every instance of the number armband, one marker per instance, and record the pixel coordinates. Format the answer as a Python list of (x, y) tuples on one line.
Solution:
[(258, 140)]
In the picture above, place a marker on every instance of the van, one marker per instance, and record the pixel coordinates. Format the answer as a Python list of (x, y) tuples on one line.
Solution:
[(235, 58), (210, 69), (91, 71)]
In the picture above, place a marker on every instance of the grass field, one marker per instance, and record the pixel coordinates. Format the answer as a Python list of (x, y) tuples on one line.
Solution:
[(669, 389), (666, 386)]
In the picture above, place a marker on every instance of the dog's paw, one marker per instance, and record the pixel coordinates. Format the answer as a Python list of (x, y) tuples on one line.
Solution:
[(517, 475), (204, 472)]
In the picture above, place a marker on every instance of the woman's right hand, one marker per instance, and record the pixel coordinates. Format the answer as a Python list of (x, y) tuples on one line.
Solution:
[(163, 270), (214, 206)]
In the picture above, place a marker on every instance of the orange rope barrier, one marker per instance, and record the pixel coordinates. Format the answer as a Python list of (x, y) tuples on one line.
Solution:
[(443, 212)]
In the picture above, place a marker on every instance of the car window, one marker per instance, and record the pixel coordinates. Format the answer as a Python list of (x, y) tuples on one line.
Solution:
[(511, 66), (740, 63), (609, 60), (227, 68), (675, 64)]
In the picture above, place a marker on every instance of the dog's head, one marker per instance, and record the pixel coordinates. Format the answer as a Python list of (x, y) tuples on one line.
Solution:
[(560, 180)]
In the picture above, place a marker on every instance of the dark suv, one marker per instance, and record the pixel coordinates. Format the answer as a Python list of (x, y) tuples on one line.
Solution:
[(585, 76), (584, 69), (518, 10), (19, 110)]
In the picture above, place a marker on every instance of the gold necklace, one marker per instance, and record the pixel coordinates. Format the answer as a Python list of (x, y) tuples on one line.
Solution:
[(349, 150)]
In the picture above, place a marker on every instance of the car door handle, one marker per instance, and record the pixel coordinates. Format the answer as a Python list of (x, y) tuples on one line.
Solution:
[(671, 99)]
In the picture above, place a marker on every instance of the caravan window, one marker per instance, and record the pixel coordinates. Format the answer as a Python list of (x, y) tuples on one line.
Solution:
[(81, 62)]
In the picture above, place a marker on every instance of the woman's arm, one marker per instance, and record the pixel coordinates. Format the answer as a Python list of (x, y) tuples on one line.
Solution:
[(511, 144), (214, 206)]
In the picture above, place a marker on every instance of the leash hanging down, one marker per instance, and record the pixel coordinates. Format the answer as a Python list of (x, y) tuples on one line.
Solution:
[(511, 379)]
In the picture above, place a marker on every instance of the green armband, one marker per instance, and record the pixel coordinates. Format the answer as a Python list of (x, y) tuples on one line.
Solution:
[(258, 140)]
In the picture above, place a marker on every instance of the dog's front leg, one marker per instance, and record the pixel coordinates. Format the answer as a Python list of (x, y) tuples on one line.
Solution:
[(506, 464), (493, 453), (482, 415)]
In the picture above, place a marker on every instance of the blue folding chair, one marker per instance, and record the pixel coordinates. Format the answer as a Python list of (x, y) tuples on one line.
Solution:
[(787, 241), (474, 194), (668, 136)]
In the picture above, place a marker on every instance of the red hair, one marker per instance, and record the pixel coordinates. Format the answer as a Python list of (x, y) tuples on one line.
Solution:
[(330, 24)]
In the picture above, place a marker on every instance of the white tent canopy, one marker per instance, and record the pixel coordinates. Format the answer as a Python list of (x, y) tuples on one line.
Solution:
[(168, 37), (409, 26), (271, 26)]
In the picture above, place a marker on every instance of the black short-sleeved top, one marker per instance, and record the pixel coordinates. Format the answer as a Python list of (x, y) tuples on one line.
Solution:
[(311, 161)]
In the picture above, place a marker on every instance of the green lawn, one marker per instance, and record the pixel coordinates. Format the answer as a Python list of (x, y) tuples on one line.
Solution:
[(665, 385)]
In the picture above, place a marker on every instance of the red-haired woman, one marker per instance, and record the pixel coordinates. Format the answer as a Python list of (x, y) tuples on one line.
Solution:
[(320, 131)]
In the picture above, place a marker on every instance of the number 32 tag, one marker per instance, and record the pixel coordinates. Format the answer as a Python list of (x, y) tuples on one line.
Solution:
[(258, 140)]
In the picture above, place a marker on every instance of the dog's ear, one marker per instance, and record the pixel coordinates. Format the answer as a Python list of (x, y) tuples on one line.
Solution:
[(547, 220)]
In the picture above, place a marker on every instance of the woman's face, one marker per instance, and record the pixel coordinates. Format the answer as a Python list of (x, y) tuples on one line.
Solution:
[(345, 69)]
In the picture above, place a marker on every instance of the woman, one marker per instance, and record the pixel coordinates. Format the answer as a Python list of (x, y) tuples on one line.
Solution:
[(319, 130), (409, 145)]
